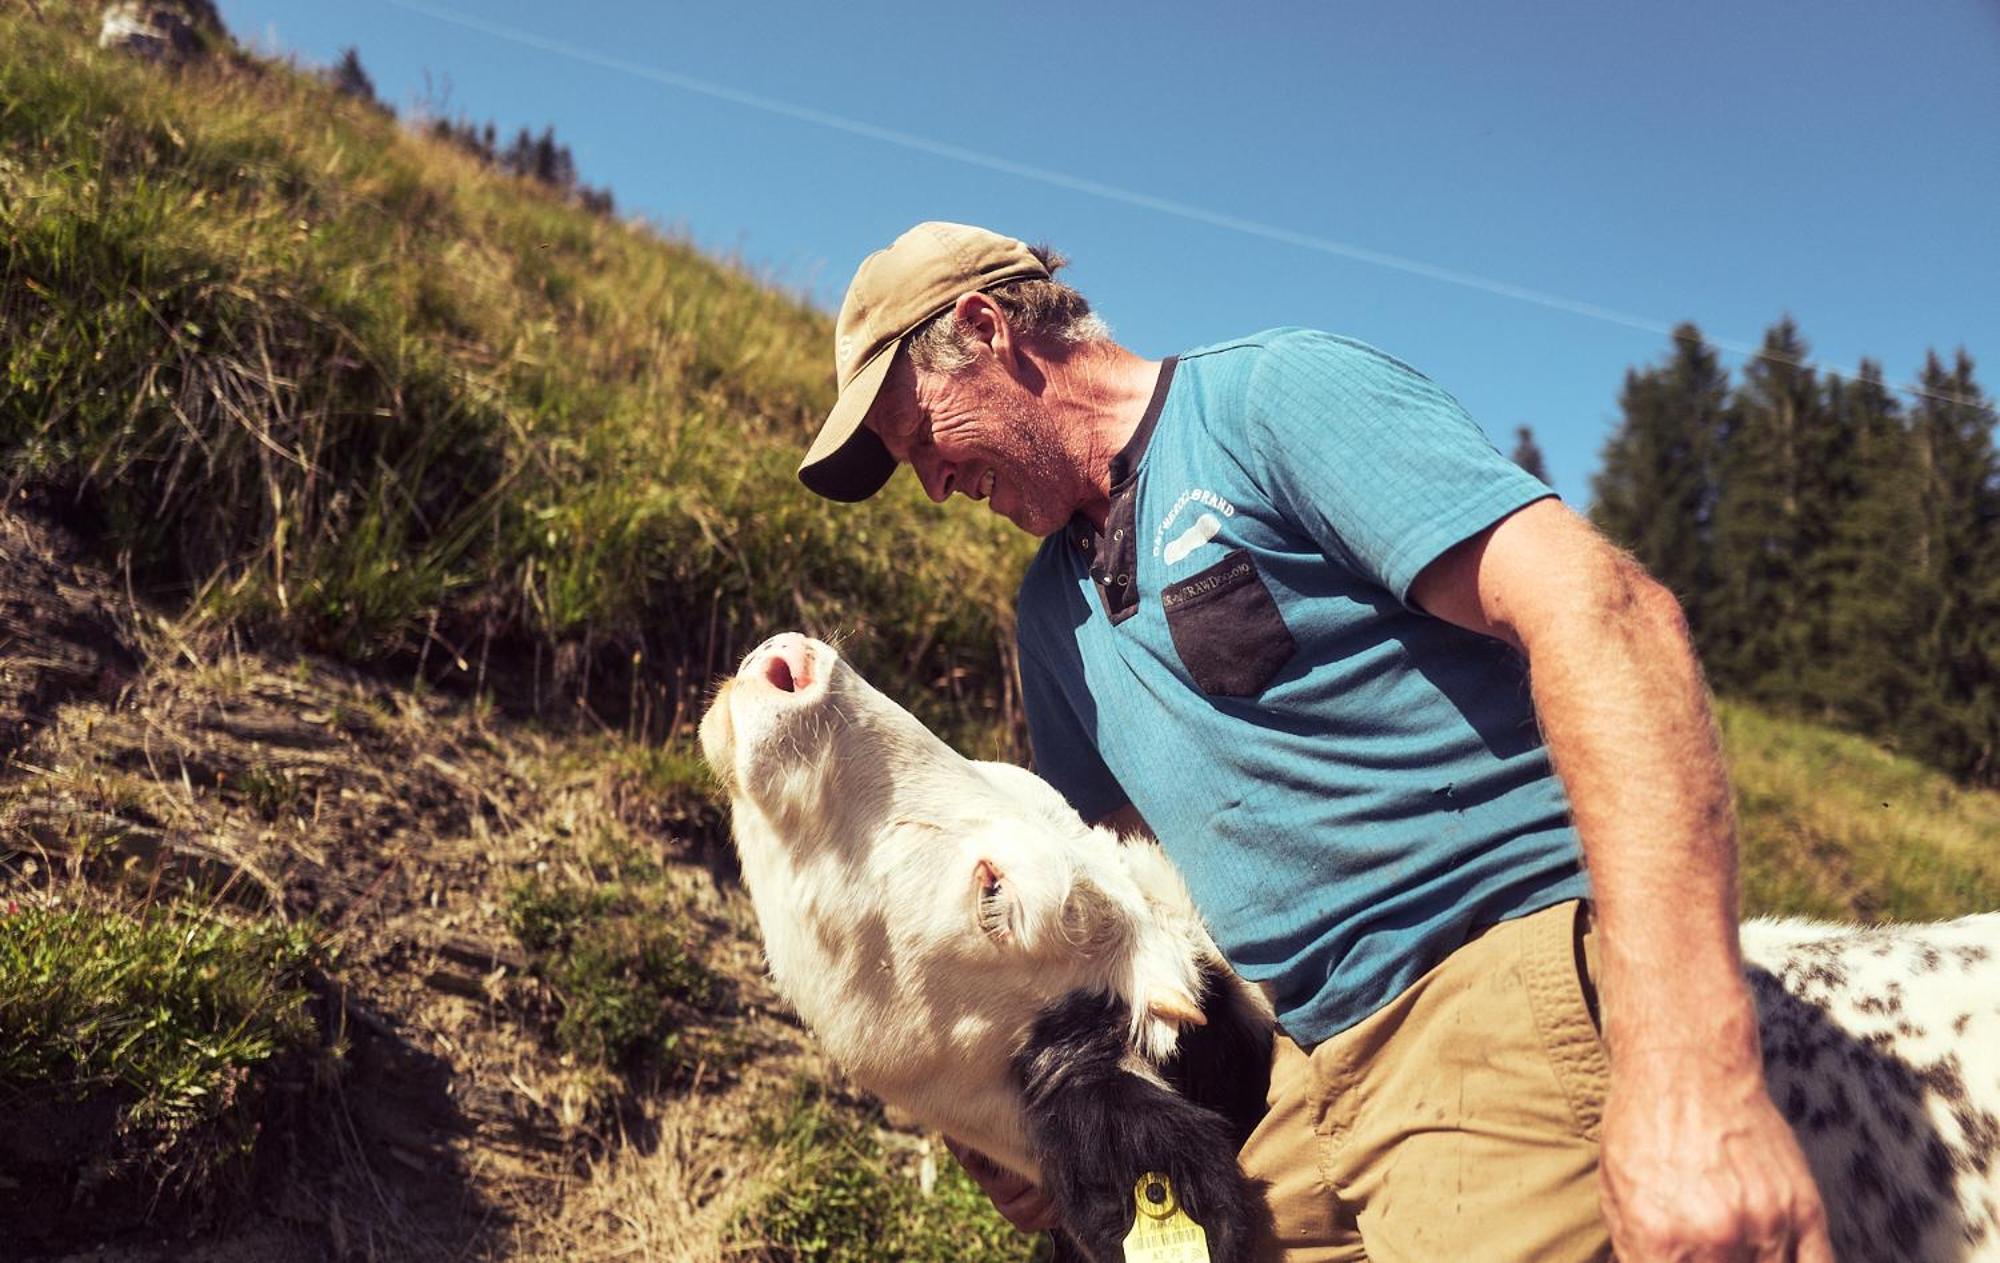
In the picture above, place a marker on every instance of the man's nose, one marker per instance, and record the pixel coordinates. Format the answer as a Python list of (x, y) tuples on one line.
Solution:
[(936, 476)]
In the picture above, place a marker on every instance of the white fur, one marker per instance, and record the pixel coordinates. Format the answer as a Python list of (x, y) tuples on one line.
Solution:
[(1882, 1046), (862, 836)]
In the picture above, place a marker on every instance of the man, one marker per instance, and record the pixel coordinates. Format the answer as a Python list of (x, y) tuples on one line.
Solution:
[(1293, 612)]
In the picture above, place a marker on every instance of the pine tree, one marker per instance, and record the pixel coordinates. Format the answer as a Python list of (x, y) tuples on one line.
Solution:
[(351, 79), (519, 157), (1763, 528), (1829, 485), (551, 161), (547, 163), (1655, 492), (1956, 602), (1527, 455), (1835, 552), (1865, 675)]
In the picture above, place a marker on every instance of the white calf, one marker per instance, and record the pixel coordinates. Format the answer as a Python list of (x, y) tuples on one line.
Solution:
[(969, 950)]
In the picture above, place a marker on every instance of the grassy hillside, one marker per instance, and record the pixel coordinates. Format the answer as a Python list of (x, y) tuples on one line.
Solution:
[(1835, 826), (345, 386), (374, 524), (284, 390)]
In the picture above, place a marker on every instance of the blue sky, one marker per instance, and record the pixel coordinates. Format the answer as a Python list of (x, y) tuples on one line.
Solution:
[(1215, 169)]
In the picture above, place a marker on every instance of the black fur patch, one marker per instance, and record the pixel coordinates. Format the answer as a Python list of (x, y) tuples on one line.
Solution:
[(1874, 1147), (1095, 1123), (1226, 1064)]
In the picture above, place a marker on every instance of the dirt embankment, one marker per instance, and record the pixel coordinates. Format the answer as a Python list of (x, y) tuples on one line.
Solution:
[(441, 1122)]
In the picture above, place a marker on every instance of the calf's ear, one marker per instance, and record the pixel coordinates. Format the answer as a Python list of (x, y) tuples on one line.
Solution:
[(996, 904), (1020, 908)]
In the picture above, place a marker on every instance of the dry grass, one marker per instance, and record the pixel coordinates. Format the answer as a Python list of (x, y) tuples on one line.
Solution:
[(455, 1125), (669, 1201)]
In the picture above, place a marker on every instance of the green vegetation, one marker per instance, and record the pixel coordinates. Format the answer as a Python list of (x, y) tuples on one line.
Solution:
[(841, 1196), (630, 996), (1835, 826), (327, 384), (171, 1012), (331, 381)]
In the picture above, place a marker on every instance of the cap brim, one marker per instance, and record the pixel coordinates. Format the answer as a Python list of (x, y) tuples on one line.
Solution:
[(847, 461)]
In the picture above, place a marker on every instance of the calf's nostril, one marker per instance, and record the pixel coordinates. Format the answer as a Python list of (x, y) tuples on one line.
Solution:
[(778, 672), (784, 662)]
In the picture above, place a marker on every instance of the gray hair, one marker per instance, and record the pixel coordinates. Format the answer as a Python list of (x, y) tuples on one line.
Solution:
[(1045, 311)]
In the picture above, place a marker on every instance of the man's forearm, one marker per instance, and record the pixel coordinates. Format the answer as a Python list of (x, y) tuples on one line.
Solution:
[(1628, 724), (1696, 1162)]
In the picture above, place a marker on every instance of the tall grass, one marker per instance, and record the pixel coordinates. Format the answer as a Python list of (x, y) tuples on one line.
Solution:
[(323, 379)]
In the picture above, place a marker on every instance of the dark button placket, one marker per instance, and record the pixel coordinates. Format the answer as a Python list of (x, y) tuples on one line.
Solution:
[(1115, 558), (1114, 551)]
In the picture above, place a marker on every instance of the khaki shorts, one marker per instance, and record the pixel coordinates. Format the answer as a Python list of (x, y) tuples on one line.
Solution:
[(1460, 1122)]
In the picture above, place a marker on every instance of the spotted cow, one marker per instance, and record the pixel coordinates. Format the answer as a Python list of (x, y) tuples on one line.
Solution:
[(1882, 1048)]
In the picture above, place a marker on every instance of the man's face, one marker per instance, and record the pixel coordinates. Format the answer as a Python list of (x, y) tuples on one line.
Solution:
[(983, 435)]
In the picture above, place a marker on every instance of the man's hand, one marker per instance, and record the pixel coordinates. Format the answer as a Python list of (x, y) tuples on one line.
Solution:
[(1699, 1167), (1019, 1202)]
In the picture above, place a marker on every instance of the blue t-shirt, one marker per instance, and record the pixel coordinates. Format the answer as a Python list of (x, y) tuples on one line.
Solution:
[(1349, 785)]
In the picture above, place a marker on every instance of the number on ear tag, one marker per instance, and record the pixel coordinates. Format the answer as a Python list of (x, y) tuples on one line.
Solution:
[(1161, 1230)]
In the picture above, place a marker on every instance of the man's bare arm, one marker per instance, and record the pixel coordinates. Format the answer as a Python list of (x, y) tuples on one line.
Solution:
[(1697, 1163)]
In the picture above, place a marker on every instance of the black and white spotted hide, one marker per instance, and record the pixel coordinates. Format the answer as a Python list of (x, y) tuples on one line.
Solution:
[(1099, 1116), (1882, 1048)]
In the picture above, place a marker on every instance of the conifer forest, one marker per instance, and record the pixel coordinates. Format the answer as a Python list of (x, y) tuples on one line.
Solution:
[(1835, 541)]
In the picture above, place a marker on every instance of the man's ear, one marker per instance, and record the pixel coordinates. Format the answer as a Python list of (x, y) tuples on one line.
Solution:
[(980, 314)]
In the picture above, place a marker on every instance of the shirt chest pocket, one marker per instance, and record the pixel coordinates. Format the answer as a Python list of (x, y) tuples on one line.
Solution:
[(1226, 628)]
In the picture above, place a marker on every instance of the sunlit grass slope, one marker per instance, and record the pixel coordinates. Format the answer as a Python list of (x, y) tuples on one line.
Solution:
[(1835, 826), (325, 378)]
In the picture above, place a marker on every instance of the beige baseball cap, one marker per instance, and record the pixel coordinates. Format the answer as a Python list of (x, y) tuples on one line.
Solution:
[(920, 274)]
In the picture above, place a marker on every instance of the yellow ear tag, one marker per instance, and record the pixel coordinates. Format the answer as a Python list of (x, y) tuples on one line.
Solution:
[(1161, 1231)]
